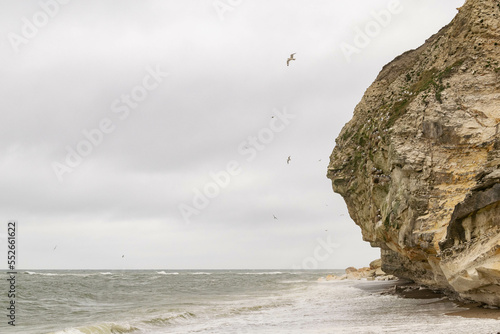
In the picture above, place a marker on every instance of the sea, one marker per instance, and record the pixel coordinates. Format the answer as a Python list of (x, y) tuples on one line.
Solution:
[(222, 301)]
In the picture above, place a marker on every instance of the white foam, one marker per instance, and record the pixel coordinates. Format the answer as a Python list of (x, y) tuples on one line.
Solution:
[(263, 273), (165, 273), (54, 274), (104, 328), (69, 331), (293, 281), (43, 274)]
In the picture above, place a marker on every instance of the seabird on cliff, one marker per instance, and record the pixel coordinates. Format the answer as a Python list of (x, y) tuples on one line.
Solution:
[(291, 58)]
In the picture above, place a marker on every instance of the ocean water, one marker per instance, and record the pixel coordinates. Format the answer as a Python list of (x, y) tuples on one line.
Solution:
[(237, 302)]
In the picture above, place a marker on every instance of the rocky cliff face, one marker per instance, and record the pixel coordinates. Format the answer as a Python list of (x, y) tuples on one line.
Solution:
[(419, 163)]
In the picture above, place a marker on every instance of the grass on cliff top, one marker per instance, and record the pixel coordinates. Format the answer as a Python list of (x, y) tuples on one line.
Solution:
[(428, 79)]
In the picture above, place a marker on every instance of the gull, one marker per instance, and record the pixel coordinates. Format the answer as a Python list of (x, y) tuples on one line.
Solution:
[(275, 217), (291, 58), (288, 160)]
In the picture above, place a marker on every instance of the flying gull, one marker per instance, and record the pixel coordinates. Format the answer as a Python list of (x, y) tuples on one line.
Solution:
[(291, 58), (288, 160)]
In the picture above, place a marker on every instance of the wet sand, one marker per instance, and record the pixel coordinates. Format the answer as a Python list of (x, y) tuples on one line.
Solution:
[(475, 310), (407, 289)]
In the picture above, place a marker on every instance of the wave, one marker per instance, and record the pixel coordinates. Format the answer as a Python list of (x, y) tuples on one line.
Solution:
[(293, 281), (54, 274), (106, 273), (201, 273), (105, 328), (164, 273), (162, 321), (263, 273), (42, 274), (139, 327)]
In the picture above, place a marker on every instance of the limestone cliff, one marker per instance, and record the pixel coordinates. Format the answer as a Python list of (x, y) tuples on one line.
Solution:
[(419, 163)]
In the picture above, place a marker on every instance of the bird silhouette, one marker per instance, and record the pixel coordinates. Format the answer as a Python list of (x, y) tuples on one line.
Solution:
[(288, 60), (274, 217), (123, 256), (55, 248), (288, 160)]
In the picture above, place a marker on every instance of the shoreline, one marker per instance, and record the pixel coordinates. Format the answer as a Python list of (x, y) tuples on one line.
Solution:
[(408, 289)]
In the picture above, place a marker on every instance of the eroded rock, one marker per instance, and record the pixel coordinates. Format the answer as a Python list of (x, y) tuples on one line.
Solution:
[(419, 163), (374, 272)]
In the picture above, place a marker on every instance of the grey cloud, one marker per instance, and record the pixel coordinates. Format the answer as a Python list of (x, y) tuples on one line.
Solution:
[(225, 79)]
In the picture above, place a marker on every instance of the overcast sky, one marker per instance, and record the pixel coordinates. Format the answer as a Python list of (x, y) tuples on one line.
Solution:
[(156, 133)]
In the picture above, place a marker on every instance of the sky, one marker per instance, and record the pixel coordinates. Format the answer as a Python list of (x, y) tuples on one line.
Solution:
[(155, 134)]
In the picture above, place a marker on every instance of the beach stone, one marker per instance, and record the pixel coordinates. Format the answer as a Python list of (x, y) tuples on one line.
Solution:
[(350, 270), (354, 275), (376, 264)]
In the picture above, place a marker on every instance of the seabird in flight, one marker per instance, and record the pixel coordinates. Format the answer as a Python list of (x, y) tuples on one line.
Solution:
[(291, 58), (288, 160)]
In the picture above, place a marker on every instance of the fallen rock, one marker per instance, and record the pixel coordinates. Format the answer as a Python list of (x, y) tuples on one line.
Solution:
[(351, 273), (376, 264)]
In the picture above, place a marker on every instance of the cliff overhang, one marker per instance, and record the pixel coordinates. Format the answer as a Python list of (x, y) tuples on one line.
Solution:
[(418, 165)]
